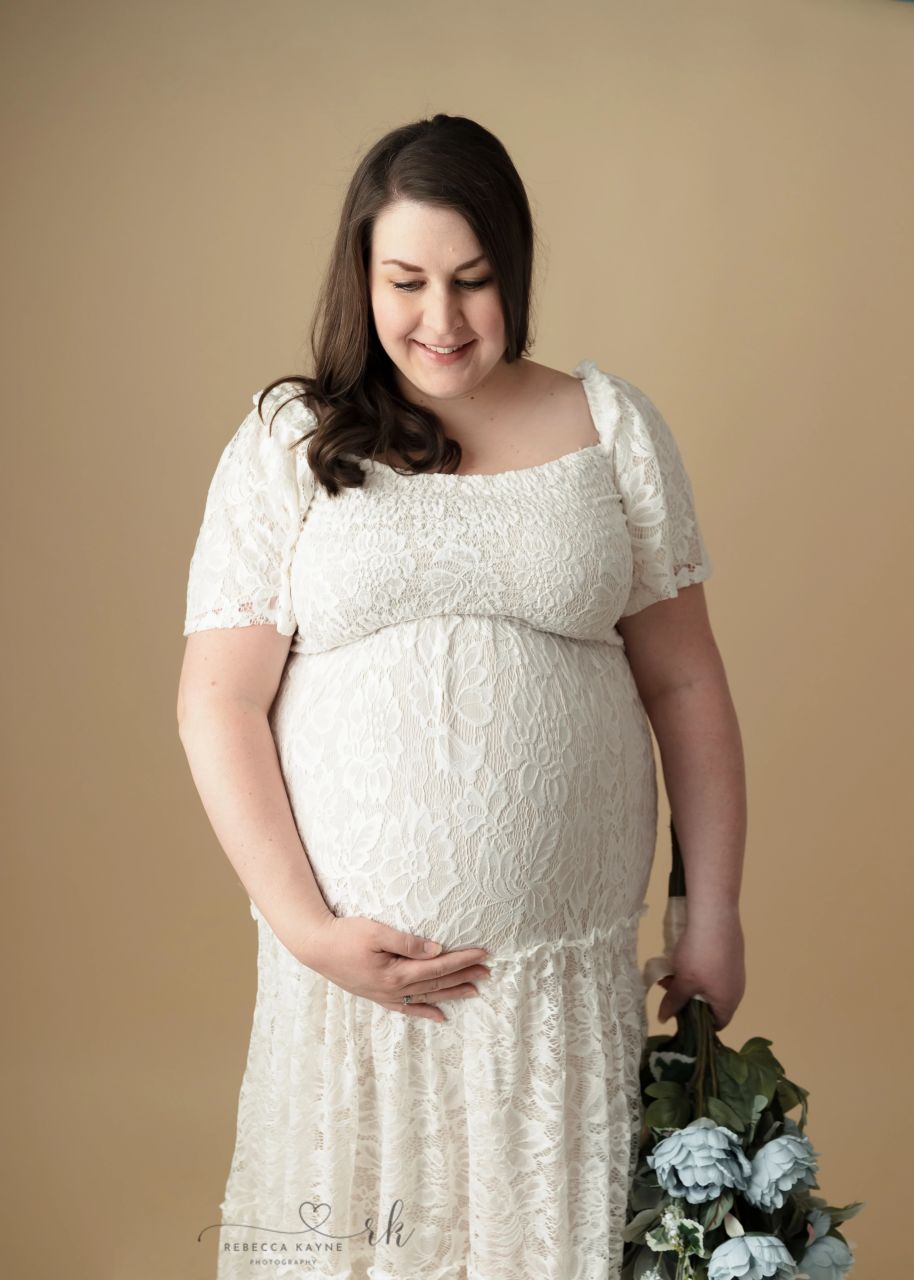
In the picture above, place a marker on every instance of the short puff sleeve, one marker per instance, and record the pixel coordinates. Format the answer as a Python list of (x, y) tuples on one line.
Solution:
[(240, 570), (668, 550)]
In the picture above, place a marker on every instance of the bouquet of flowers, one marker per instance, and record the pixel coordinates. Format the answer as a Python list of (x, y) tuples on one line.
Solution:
[(721, 1190)]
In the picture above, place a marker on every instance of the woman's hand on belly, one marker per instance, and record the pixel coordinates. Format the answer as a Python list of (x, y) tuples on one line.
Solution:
[(383, 964)]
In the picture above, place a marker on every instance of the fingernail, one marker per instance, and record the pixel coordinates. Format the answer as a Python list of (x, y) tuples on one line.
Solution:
[(431, 948)]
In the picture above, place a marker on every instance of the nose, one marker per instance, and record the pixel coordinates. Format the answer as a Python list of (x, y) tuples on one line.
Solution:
[(443, 313)]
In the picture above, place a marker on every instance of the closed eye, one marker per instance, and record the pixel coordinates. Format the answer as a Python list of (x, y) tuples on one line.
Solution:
[(410, 286)]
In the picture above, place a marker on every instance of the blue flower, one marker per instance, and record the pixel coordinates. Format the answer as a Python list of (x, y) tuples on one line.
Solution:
[(780, 1166), (819, 1221), (696, 1163), (751, 1257), (827, 1258)]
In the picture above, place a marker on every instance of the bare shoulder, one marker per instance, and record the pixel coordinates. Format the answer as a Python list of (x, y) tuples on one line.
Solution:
[(559, 397)]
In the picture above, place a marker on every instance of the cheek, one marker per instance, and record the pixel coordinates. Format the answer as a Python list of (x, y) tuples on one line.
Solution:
[(379, 308), (391, 316), (488, 318)]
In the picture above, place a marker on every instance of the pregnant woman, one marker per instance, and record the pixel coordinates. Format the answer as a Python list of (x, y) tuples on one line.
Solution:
[(440, 596)]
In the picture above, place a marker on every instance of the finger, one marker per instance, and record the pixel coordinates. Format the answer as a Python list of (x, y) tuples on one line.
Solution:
[(669, 1005), (448, 993), (666, 1006), (415, 972), (462, 977), (418, 1005), (411, 946)]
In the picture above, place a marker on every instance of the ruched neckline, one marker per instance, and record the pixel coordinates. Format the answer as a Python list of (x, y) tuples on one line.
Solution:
[(564, 460), (295, 417)]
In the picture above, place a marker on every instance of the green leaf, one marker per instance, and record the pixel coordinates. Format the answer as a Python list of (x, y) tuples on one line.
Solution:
[(667, 1113), (667, 1065), (759, 1104), (642, 1197), (717, 1210), (771, 1128), (846, 1211), (791, 1095), (664, 1089), (660, 1240), (757, 1044), (757, 1050), (723, 1114), (752, 1076), (693, 1239), (733, 1066), (634, 1230), (793, 1219)]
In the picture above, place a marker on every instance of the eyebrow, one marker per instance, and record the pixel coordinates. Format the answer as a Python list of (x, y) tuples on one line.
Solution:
[(408, 266)]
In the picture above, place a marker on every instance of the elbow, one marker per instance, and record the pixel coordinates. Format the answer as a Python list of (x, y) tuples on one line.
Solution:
[(203, 711)]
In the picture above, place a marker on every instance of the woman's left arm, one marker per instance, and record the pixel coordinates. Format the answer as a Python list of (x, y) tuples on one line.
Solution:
[(683, 685)]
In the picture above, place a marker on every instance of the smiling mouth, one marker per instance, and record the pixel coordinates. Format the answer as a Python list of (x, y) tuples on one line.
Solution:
[(446, 351)]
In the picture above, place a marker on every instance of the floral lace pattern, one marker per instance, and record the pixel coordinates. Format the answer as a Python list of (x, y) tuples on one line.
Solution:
[(467, 759)]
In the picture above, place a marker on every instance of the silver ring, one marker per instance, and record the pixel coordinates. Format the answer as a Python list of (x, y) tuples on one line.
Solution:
[(407, 999)]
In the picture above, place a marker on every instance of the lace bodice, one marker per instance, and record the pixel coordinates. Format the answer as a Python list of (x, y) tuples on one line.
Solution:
[(268, 553)]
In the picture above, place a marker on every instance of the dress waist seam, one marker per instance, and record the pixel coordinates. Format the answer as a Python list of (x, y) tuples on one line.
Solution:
[(597, 936)]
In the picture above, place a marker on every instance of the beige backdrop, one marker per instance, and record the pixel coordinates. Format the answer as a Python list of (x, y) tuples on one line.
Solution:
[(724, 192)]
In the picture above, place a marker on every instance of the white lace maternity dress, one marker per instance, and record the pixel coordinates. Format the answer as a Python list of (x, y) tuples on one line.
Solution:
[(467, 758)]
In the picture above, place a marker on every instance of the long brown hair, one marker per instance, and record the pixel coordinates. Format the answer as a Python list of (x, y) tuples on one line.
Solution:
[(449, 161)]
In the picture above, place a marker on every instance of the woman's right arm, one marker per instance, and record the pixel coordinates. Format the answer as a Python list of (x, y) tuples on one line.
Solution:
[(238, 626), (228, 682), (229, 679)]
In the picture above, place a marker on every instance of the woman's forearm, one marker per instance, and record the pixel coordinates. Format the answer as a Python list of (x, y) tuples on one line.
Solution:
[(704, 774), (235, 768)]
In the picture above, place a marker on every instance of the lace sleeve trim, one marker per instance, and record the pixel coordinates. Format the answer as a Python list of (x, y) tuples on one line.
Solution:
[(668, 548), (240, 571)]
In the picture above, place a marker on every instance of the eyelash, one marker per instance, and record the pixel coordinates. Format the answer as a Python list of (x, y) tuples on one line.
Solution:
[(410, 286)]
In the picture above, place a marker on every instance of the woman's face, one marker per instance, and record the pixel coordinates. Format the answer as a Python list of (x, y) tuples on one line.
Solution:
[(441, 292)]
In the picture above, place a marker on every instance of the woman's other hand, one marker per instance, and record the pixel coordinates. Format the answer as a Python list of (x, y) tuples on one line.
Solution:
[(708, 960)]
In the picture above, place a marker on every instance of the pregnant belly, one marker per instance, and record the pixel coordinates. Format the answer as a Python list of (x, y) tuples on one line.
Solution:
[(471, 779)]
